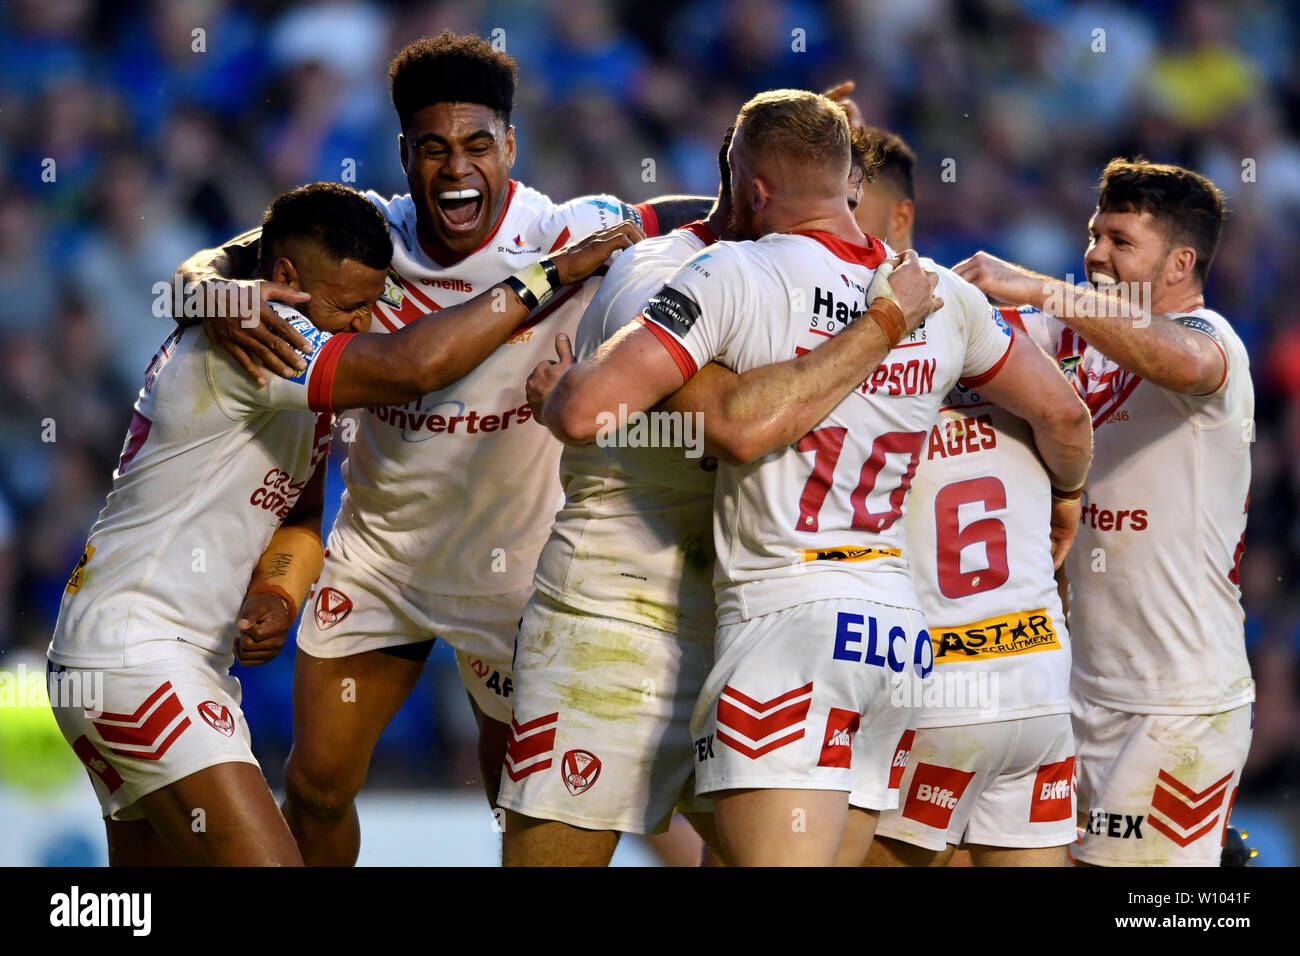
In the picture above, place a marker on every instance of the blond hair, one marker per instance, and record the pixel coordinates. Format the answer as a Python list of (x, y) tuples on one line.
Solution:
[(796, 127)]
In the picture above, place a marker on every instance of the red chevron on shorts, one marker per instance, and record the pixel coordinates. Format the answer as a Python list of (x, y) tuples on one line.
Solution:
[(529, 746), (150, 731), (1186, 808), (761, 726)]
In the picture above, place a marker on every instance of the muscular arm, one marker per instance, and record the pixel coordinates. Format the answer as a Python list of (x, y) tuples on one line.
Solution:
[(1153, 346), (631, 371), (1030, 386), (234, 259), (445, 346), (749, 415)]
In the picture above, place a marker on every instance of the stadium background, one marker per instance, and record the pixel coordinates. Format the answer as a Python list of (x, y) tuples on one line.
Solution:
[(164, 140)]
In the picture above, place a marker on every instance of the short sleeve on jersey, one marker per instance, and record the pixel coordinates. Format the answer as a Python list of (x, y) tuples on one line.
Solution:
[(988, 336), (590, 214), (1198, 324), (694, 315), (312, 388)]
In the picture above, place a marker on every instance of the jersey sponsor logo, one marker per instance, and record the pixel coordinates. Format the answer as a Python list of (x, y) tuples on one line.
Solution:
[(848, 553), (673, 310), (1186, 815), (757, 727), (150, 731), (78, 576), (1122, 826), (826, 305), (302, 325), (961, 436), (913, 377), (891, 650), (96, 763), (837, 742), (218, 717), (1022, 632), (935, 793), (610, 213), (1053, 796), (332, 606), (1103, 519), (1198, 324), (160, 359), (704, 749), (451, 285), (419, 423), (136, 435), (491, 677), (899, 764), (529, 745), (1000, 321), (277, 494), (580, 769)]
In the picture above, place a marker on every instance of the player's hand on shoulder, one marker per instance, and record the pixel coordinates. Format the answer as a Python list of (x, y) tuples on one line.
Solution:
[(263, 625), (582, 258), (1065, 525), (1001, 281), (909, 286), (543, 378), (263, 340)]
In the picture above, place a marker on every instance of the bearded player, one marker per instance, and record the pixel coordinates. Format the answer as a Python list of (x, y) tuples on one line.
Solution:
[(449, 497), (1161, 690), (617, 640), (815, 605), (994, 774), (215, 472)]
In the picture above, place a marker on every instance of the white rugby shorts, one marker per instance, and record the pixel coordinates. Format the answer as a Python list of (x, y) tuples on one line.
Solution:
[(802, 699), (352, 610), (1006, 783), (601, 736), (157, 723), (1156, 789)]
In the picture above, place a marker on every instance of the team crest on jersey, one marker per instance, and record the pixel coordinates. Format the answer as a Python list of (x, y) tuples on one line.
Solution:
[(579, 768), (332, 606), (217, 716)]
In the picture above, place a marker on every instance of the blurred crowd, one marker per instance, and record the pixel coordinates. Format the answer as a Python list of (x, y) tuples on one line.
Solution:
[(132, 133)]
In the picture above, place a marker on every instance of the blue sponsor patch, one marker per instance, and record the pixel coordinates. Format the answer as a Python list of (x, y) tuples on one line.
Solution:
[(1001, 322), (302, 325)]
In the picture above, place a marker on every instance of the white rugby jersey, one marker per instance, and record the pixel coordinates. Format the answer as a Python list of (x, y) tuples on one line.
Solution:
[(634, 540), (211, 465), (979, 542), (819, 519), (1155, 604), (455, 491)]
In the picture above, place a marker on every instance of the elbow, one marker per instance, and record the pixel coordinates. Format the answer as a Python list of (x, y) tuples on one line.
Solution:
[(568, 420), (734, 449)]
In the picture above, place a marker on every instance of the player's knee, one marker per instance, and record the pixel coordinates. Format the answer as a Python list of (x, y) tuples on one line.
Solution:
[(321, 790)]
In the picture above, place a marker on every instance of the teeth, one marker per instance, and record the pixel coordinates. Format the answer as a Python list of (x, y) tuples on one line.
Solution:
[(1100, 278), (459, 194)]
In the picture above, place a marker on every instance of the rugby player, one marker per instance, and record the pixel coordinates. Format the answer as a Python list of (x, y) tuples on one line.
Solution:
[(216, 471), (440, 526), (994, 772), (815, 603), (617, 639), (1161, 692)]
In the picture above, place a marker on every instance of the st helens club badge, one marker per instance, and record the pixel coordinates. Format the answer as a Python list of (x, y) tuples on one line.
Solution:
[(217, 717), (580, 769)]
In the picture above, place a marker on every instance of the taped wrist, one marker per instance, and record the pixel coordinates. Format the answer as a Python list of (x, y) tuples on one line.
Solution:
[(289, 566), (889, 317), (535, 284)]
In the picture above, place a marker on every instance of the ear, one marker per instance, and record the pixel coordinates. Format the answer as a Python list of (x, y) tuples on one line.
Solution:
[(901, 218), (401, 149), (1180, 265), (762, 194), (284, 272), (510, 147)]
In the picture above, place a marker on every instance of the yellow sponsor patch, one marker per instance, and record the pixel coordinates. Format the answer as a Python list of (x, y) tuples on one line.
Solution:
[(79, 572), (1020, 633), (848, 554)]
